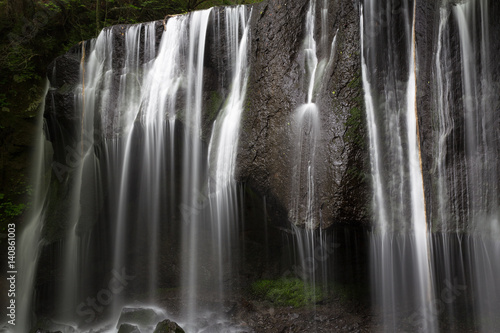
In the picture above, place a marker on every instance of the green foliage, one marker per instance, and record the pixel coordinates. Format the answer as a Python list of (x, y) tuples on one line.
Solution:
[(18, 62), (287, 292), (10, 208), (3, 101)]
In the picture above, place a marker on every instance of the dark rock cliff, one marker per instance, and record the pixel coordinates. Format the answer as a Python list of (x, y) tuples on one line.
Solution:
[(276, 90)]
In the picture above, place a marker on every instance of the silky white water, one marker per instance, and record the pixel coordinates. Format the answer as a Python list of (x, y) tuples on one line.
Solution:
[(310, 245), (468, 150), (124, 181), (401, 266), (222, 151), (32, 232)]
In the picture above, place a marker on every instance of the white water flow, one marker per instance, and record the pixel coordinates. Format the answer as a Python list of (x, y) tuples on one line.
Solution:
[(446, 248), (400, 262), (32, 232), (74, 245), (468, 161), (224, 144), (136, 180), (480, 96), (192, 179), (373, 135), (425, 291), (444, 122), (124, 117), (305, 214)]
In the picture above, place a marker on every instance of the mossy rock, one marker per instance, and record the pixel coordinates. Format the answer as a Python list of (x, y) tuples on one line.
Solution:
[(168, 326)]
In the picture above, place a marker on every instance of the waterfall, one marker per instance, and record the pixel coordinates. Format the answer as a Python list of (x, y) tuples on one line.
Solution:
[(224, 143), (32, 232), (401, 273), (479, 96), (138, 175), (192, 178), (444, 106), (155, 187), (417, 261), (221, 201), (482, 149), (311, 244), (467, 160)]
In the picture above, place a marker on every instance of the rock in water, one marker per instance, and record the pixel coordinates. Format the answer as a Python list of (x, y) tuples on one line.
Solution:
[(139, 316), (168, 326), (127, 328)]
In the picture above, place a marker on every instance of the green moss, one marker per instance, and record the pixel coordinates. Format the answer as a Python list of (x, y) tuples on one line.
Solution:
[(214, 105), (353, 124), (355, 83), (287, 292)]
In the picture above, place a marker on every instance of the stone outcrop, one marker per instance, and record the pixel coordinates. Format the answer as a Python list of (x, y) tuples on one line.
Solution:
[(277, 89)]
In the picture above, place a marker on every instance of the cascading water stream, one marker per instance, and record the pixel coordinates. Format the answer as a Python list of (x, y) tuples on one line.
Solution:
[(445, 122), (479, 96), (141, 190), (400, 255), (32, 232), (221, 201), (311, 243), (224, 143), (467, 159), (192, 178), (131, 107)]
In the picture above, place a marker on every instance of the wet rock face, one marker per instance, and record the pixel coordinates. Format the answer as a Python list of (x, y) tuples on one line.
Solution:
[(277, 87), (61, 117)]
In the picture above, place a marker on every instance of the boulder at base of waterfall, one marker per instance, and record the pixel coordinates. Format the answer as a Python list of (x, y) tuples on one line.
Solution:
[(139, 316), (168, 326), (127, 328)]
